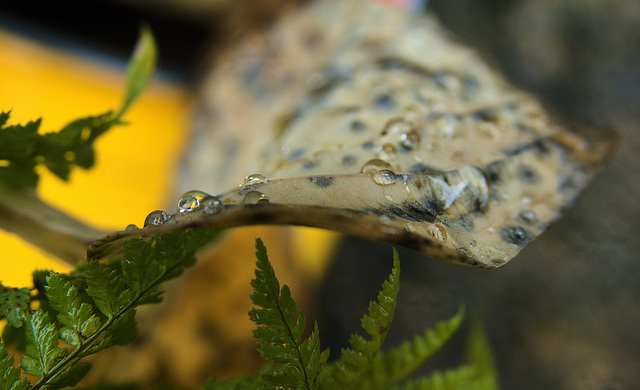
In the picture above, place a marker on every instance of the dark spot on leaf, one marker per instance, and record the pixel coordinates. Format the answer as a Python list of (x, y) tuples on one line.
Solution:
[(494, 172), (322, 181), (411, 211), (435, 206), (385, 102), (399, 64), (567, 183), (524, 128), (330, 79), (464, 224), (296, 154), (471, 83), (539, 146), (251, 74), (368, 145), (527, 174), (465, 252), (442, 79), (477, 205), (357, 125), (485, 115), (348, 160), (309, 165)]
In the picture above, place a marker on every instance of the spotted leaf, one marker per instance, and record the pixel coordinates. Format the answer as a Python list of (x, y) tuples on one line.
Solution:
[(373, 122)]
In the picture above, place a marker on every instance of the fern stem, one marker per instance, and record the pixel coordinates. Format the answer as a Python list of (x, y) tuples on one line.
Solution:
[(307, 385), (91, 341)]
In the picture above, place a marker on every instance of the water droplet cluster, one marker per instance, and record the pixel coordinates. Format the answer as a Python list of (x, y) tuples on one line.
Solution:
[(195, 200)]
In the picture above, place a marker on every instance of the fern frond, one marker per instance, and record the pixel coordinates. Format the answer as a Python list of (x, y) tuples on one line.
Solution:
[(42, 352), (355, 364), (280, 326), (13, 304), (94, 308), (479, 356), (396, 364), (461, 378), (9, 374), (251, 382)]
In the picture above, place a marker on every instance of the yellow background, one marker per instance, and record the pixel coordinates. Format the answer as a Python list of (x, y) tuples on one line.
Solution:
[(135, 164)]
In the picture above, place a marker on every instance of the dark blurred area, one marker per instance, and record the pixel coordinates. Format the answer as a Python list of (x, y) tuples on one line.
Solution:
[(107, 30), (565, 314)]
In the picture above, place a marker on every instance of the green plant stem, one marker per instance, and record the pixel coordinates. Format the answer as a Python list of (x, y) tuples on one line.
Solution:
[(307, 385)]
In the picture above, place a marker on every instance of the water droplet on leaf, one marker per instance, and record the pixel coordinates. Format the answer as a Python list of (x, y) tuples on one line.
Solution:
[(375, 165), (189, 201), (384, 177), (438, 232), (157, 218), (388, 151), (131, 228), (397, 126), (254, 197), (527, 216), (410, 140), (253, 179), (210, 205)]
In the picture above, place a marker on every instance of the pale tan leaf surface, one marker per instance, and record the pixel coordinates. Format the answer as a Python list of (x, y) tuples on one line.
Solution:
[(475, 168)]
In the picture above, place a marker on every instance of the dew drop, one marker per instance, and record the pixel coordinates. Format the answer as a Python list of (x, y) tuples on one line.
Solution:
[(514, 235), (388, 151), (210, 205), (438, 232), (157, 218), (375, 165), (385, 177), (473, 244), (253, 179), (189, 201), (131, 228), (254, 197), (396, 126), (410, 140), (527, 216)]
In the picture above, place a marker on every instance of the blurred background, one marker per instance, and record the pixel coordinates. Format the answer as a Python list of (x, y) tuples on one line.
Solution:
[(565, 314)]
